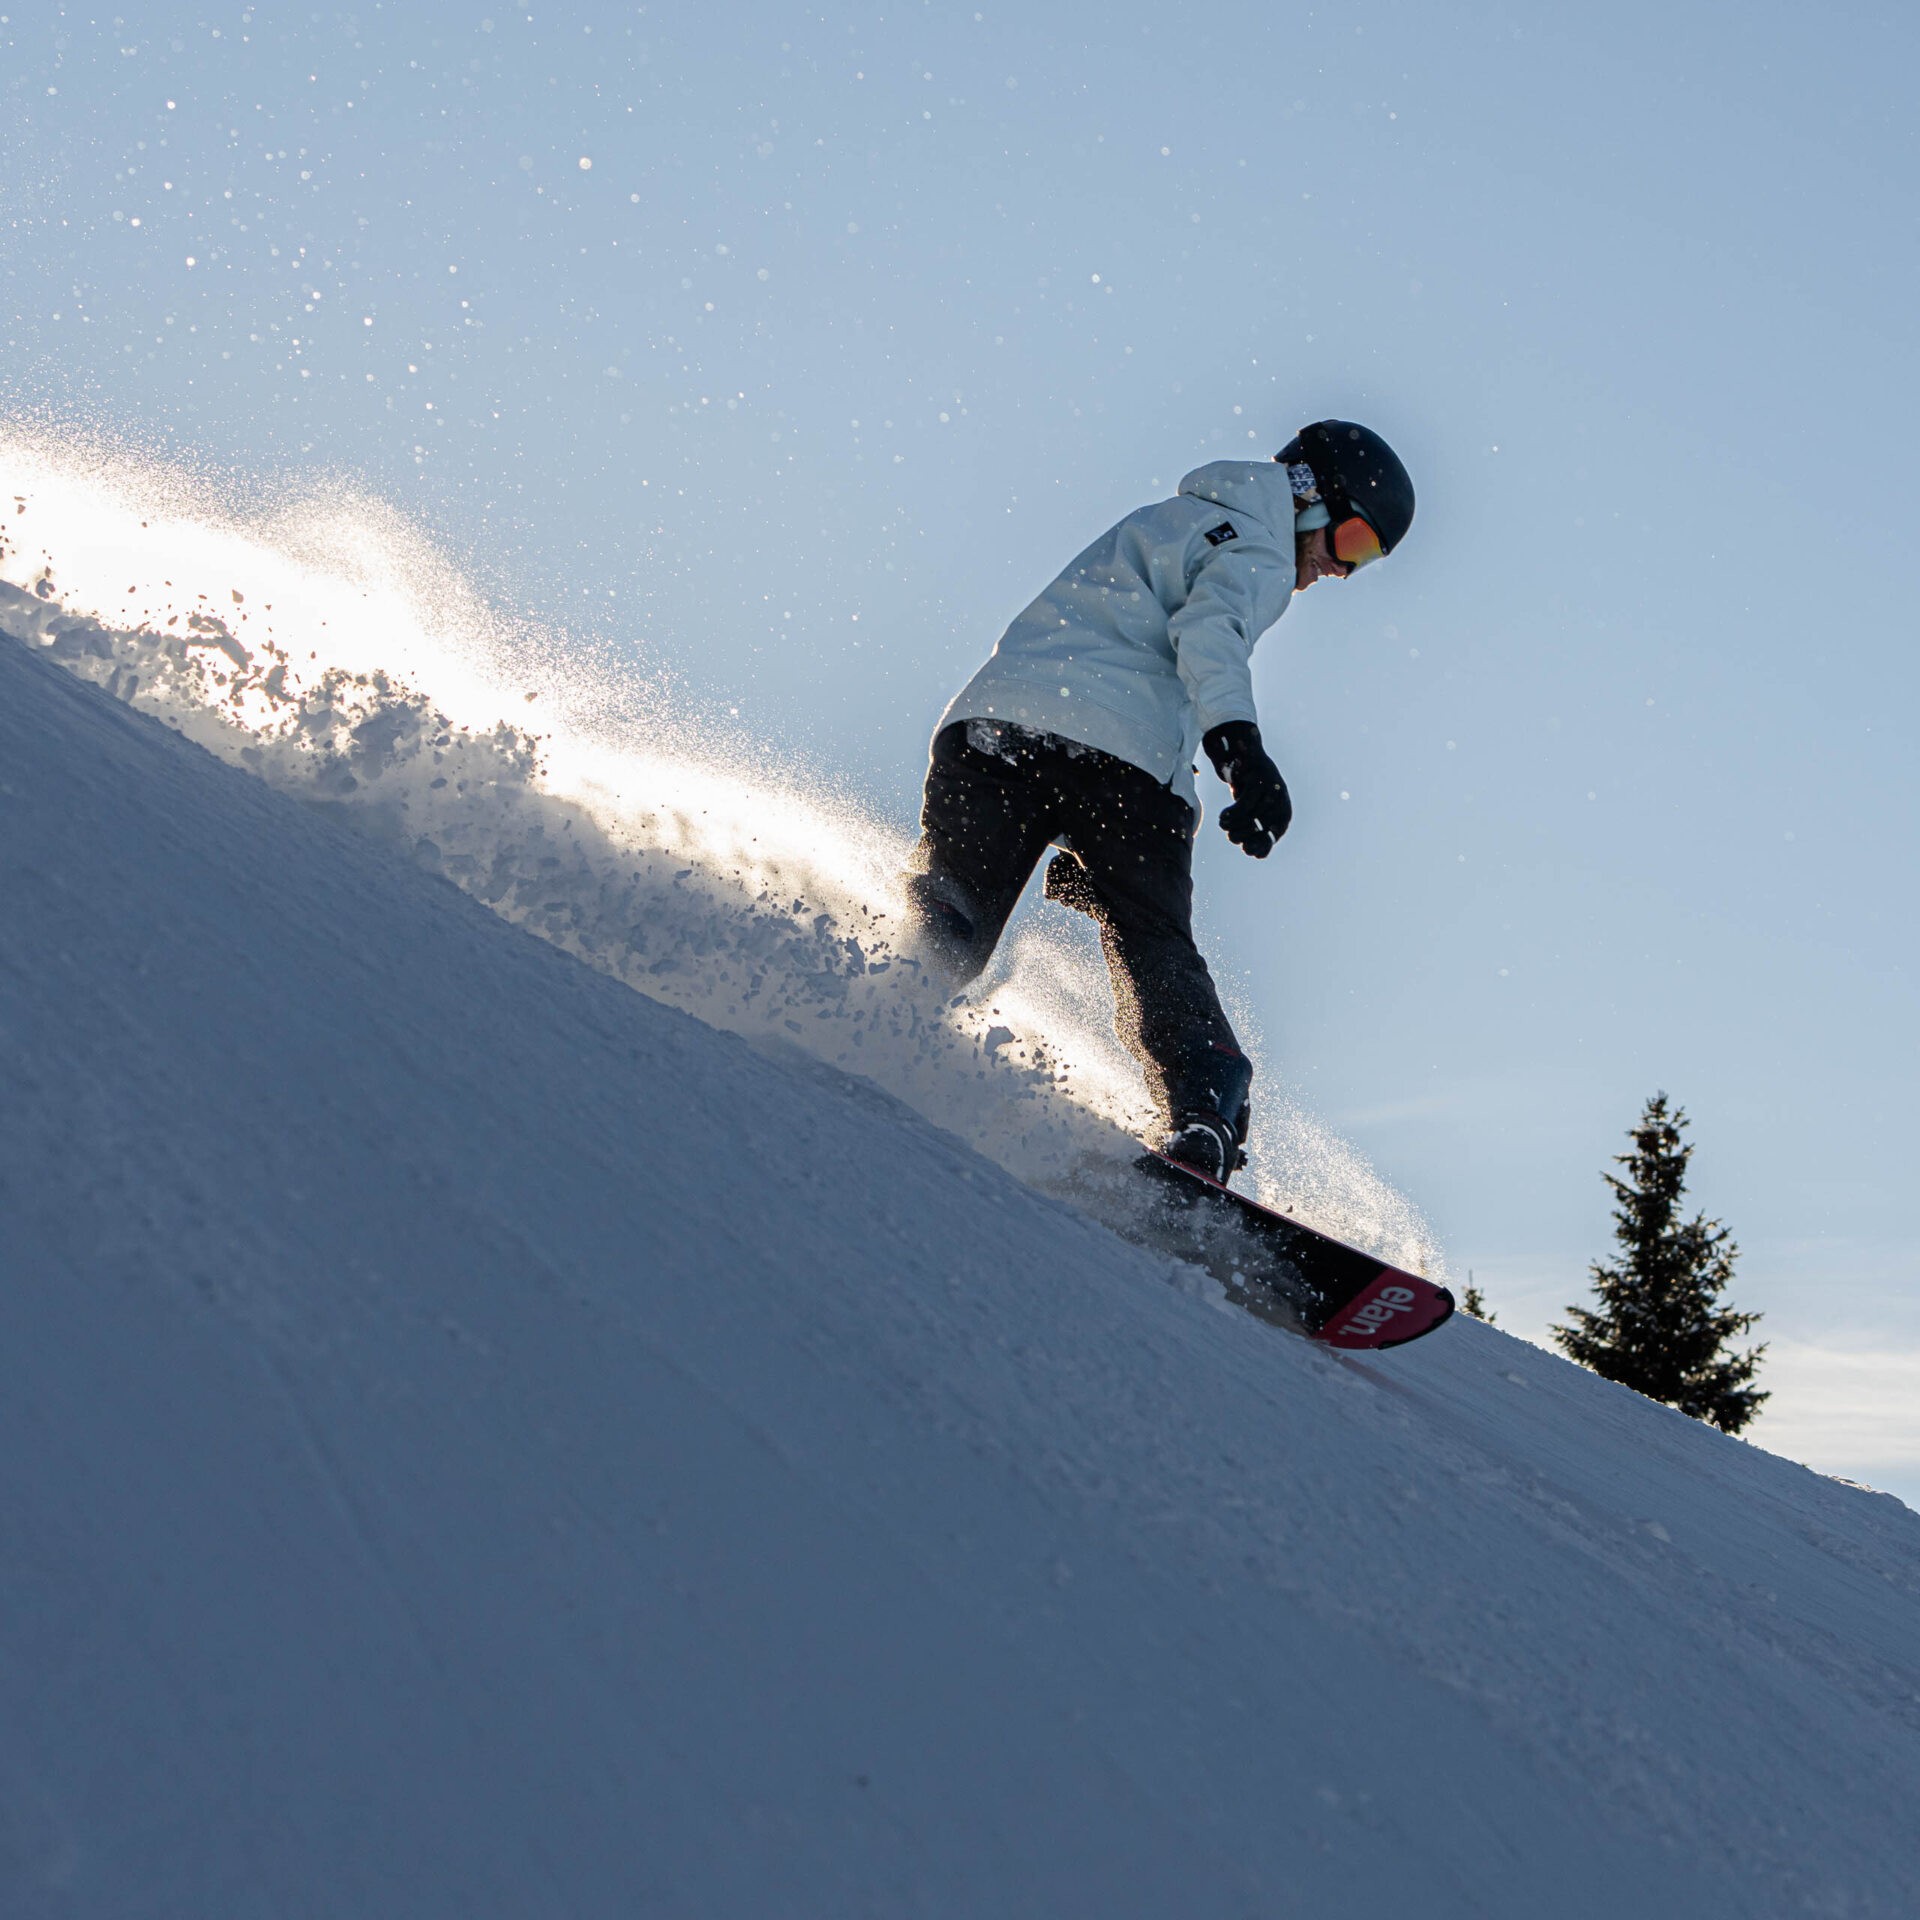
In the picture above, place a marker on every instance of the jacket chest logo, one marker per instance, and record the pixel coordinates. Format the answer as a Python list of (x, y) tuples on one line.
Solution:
[(1220, 535)]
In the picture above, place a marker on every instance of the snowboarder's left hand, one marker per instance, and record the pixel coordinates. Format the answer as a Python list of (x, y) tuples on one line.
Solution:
[(1262, 808)]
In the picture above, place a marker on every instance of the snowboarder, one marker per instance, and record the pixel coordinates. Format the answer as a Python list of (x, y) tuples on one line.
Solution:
[(1080, 732)]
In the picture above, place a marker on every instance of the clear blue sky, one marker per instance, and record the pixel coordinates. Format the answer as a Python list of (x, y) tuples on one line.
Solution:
[(1604, 784)]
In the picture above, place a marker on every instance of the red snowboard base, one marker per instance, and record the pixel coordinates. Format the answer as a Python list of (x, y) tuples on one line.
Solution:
[(1325, 1289)]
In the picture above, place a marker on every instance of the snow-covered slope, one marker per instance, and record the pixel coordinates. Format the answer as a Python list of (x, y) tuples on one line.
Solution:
[(477, 1441)]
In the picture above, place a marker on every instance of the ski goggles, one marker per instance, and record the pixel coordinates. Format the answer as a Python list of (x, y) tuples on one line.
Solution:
[(1354, 543)]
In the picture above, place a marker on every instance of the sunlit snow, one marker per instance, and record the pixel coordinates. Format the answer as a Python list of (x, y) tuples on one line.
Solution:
[(329, 646)]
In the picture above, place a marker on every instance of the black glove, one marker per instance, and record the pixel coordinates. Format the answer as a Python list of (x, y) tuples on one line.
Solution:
[(1261, 810), (1071, 884)]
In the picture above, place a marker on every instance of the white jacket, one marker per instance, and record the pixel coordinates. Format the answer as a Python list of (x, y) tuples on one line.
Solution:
[(1143, 644)]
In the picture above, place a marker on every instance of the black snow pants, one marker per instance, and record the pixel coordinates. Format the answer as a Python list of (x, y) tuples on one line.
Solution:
[(997, 797)]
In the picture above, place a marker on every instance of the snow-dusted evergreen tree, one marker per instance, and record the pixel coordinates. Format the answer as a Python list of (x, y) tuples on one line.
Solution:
[(1661, 1328)]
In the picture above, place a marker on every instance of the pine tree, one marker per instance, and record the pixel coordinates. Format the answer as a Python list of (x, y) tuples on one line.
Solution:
[(1473, 1301), (1660, 1328)]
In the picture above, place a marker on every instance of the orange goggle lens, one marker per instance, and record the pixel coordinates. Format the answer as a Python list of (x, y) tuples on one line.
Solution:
[(1354, 543)]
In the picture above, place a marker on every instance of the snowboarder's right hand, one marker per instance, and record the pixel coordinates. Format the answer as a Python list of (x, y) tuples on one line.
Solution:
[(1071, 884), (1262, 808)]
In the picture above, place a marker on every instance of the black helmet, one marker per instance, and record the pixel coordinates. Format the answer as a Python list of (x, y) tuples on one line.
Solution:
[(1357, 472)]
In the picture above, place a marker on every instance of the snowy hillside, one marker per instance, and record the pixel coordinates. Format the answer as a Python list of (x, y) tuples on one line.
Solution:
[(476, 1440)]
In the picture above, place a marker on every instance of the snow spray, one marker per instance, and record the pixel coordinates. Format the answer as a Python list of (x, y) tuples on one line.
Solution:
[(329, 647)]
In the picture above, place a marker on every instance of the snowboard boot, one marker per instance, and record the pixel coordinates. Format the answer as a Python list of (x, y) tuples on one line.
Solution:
[(1206, 1143), (945, 930)]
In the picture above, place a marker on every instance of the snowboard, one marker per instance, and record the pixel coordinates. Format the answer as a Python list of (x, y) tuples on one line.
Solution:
[(1283, 1270)]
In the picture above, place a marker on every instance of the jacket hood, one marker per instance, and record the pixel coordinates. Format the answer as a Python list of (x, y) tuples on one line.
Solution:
[(1258, 488)]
